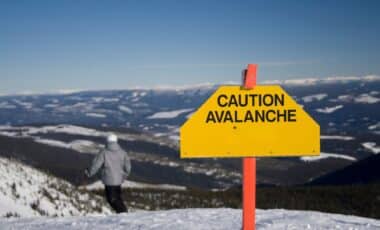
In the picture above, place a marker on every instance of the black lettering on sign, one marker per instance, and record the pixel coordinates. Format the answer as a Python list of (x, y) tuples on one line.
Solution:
[(292, 115), (237, 117), (210, 117), (279, 100), (228, 117), (272, 114), (233, 116), (252, 98), (281, 113), (222, 96), (260, 114), (233, 101), (219, 116), (248, 116), (243, 100), (268, 99), (271, 118)]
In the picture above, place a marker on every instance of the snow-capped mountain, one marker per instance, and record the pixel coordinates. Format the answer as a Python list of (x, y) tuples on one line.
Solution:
[(27, 192), (198, 219), (339, 105)]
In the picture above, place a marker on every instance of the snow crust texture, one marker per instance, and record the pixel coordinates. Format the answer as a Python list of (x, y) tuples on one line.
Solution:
[(196, 219), (28, 192)]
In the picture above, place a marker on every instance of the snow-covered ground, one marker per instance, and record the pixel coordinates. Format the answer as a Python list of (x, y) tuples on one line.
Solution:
[(197, 219), (133, 184), (26, 192)]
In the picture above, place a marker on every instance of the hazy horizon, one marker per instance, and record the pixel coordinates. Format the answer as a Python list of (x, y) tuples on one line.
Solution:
[(294, 81)]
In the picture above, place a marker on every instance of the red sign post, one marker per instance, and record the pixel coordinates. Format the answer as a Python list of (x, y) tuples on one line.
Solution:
[(249, 166)]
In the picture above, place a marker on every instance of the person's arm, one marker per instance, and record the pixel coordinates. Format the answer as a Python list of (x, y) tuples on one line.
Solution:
[(97, 163), (127, 165)]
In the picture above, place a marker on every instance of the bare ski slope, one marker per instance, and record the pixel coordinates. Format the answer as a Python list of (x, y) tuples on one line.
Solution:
[(196, 219)]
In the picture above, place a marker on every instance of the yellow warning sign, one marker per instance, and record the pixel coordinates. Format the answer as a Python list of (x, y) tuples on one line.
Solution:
[(260, 122)]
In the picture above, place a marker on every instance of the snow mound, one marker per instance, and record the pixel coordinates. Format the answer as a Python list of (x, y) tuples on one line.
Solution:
[(197, 219), (26, 192)]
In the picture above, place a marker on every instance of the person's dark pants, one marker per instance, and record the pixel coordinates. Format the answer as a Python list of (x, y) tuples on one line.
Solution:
[(113, 195)]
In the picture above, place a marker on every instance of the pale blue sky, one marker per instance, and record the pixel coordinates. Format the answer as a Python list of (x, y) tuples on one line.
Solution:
[(76, 44)]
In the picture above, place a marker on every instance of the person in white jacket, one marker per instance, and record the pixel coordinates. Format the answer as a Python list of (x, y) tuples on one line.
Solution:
[(115, 167)]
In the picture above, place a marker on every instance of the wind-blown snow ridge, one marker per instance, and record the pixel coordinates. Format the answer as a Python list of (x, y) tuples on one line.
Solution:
[(197, 219)]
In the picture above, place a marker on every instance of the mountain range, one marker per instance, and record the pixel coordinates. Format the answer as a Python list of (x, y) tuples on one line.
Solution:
[(60, 133)]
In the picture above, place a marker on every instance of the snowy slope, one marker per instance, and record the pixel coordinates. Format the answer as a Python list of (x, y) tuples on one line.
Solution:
[(98, 185), (26, 192), (197, 219)]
